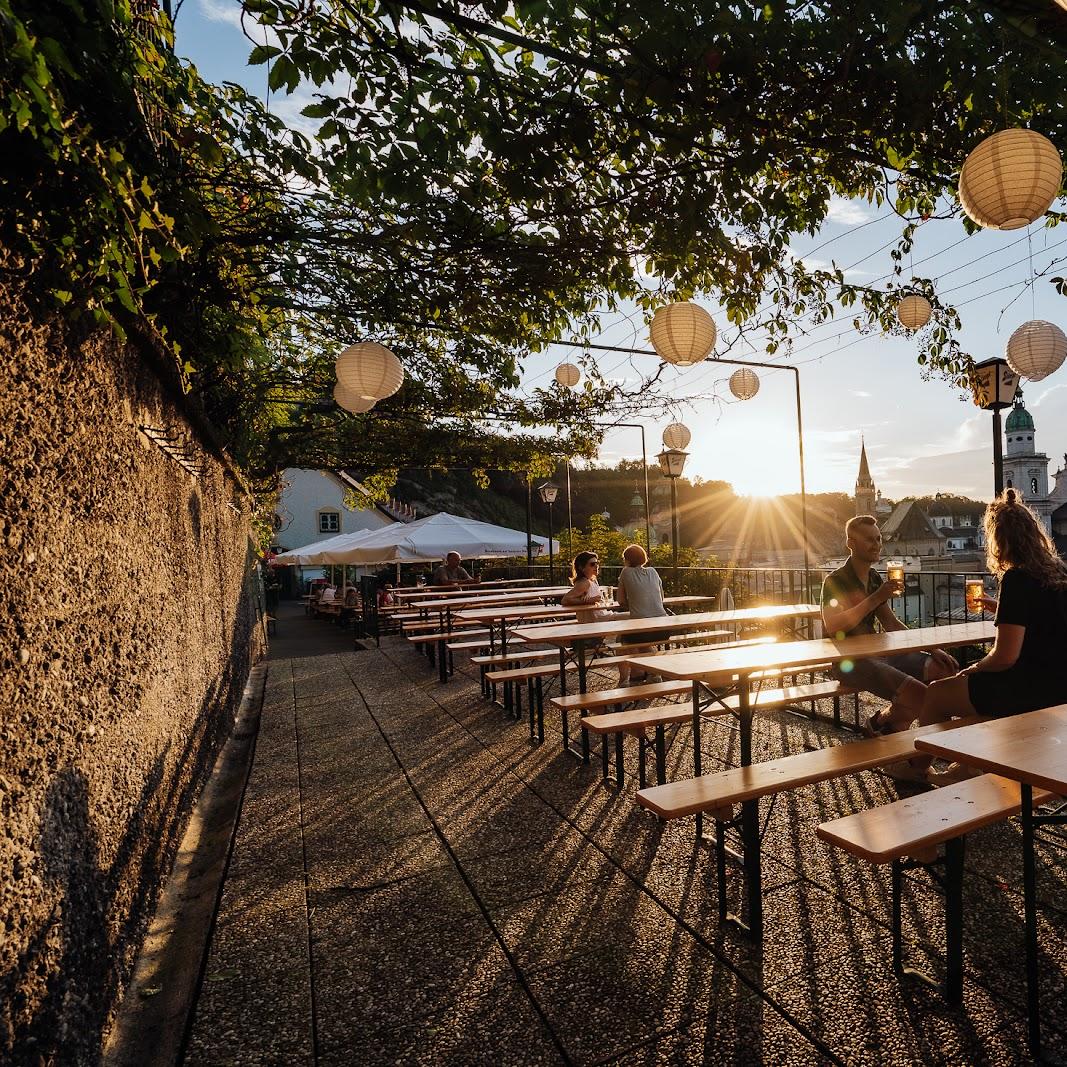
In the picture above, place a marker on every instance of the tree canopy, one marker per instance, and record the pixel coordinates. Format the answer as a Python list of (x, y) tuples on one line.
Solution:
[(476, 181)]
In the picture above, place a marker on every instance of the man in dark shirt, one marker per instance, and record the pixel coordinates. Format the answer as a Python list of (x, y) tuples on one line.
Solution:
[(854, 597), (450, 572)]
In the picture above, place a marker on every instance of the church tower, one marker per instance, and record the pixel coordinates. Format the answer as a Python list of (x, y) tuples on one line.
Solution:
[(1026, 469), (866, 496)]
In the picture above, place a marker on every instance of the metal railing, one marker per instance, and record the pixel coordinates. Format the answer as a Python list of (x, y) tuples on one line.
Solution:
[(932, 598)]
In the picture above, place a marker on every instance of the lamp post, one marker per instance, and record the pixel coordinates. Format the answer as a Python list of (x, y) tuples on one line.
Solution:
[(994, 386), (548, 493), (672, 463)]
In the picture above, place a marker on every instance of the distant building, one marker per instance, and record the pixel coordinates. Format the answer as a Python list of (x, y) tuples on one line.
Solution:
[(866, 495), (909, 532), (314, 505), (1026, 469), (962, 530), (1058, 499)]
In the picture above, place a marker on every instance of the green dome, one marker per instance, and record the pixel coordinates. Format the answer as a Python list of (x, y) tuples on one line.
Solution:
[(1019, 420)]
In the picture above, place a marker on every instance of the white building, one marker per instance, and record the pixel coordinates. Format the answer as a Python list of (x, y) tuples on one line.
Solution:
[(1026, 469), (314, 505)]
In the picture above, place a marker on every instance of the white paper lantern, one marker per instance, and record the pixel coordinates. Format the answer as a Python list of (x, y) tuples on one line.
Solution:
[(369, 371), (682, 333), (1036, 349), (1010, 179), (350, 402), (744, 383), (914, 311), (677, 435), (567, 374)]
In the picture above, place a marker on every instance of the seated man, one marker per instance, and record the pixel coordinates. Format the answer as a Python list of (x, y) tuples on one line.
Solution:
[(450, 572), (853, 597)]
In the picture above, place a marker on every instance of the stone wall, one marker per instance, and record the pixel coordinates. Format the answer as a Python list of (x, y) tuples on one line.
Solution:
[(127, 629)]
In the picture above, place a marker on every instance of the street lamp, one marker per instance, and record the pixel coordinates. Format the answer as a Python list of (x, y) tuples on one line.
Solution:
[(994, 385), (549, 492), (672, 463)]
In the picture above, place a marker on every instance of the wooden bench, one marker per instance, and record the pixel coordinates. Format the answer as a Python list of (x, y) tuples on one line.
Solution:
[(908, 834), (717, 794), (638, 722)]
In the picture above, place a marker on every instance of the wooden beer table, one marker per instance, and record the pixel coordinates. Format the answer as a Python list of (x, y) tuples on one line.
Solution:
[(1031, 749)]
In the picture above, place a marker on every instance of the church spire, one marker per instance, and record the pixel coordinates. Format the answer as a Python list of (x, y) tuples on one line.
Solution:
[(866, 497)]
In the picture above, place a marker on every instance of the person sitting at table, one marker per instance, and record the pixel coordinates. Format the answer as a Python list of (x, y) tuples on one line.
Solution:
[(640, 592), (450, 572), (1024, 670), (386, 597), (585, 591), (854, 598)]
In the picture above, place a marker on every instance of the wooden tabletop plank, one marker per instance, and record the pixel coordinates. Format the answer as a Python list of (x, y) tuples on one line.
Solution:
[(1030, 748), (523, 596), (716, 666), (567, 634)]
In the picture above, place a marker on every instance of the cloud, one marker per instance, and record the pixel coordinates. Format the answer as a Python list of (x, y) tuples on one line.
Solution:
[(228, 11), (862, 393), (848, 212), (968, 472)]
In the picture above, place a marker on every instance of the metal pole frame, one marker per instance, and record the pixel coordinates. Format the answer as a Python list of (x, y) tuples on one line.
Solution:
[(529, 522), (732, 363), (998, 454), (551, 556), (674, 534)]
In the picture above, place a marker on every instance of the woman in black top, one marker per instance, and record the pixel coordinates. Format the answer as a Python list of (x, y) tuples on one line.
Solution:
[(1027, 666)]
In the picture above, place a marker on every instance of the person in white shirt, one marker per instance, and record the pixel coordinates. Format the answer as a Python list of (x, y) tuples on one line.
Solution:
[(640, 592)]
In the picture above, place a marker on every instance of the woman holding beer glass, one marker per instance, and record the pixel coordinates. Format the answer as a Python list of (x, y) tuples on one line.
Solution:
[(1024, 670)]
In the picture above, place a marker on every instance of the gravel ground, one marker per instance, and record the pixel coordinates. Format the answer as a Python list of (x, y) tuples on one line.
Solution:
[(414, 882)]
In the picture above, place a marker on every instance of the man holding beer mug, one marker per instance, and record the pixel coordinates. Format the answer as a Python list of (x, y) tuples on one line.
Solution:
[(854, 597)]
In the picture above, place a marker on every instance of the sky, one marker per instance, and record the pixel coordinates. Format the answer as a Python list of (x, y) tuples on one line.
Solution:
[(921, 437)]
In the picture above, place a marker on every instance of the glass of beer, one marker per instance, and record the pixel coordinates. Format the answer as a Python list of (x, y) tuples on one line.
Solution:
[(894, 572), (975, 592)]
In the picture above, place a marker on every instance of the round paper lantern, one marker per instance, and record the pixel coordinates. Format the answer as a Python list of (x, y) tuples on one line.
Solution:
[(369, 371), (1036, 349), (1010, 179), (568, 374), (349, 401), (677, 435), (914, 311), (682, 333), (744, 383)]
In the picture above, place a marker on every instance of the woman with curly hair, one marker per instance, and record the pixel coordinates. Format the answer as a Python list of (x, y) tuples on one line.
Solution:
[(585, 594), (1027, 667)]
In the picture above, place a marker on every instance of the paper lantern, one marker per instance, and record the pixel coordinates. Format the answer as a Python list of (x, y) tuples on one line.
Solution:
[(914, 311), (567, 374), (1036, 349), (682, 333), (1010, 179), (349, 401), (369, 371), (677, 435), (744, 383)]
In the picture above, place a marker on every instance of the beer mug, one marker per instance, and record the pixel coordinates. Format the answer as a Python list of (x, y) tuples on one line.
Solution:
[(894, 572), (975, 592)]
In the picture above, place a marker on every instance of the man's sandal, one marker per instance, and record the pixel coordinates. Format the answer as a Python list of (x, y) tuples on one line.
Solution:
[(874, 726)]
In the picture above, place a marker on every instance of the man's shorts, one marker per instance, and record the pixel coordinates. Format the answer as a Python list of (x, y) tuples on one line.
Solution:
[(883, 677)]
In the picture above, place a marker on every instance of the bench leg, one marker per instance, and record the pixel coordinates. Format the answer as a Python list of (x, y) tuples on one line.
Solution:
[(952, 987), (954, 920), (642, 744), (566, 731), (442, 661), (837, 712), (661, 755), (620, 767), (541, 722), (753, 878), (605, 765), (532, 709), (720, 868), (585, 740)]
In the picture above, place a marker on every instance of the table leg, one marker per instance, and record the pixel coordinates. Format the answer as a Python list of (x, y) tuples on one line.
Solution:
[(696, 750), (1033, 1006), (579, 653), (744, 712)]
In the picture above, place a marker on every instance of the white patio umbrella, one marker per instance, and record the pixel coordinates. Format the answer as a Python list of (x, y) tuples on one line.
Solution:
[(432, 538), (309, 555)]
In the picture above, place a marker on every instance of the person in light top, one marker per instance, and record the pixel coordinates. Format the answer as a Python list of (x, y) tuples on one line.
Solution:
[(640, 592), (585, 593)]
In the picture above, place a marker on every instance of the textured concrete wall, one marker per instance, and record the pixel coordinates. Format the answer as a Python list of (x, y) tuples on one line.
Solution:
[(126, 634)]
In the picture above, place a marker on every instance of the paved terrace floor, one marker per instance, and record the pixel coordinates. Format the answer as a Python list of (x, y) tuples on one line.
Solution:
[(413, 882)]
